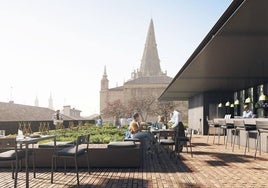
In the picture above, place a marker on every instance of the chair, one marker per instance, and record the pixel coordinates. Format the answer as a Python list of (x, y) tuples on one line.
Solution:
[(261, 128), (227, 130), (187, 139), (240, 125), (72, 152), (167, 138), (11, 153), (215, 126)]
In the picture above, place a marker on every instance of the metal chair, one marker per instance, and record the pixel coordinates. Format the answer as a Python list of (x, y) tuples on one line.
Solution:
[(187, 139), (228, 130), (72, 152), (13, 154), (167, 138), (261, 128), (215, 127), (240, 125)]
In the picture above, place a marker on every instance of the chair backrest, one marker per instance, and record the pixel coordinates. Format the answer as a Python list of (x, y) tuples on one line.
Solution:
[(83, 139), (167, 133), (210, 122), (8, 143), (261, 125), (239, 123), (189, 132), (222, 122), (227, 116)]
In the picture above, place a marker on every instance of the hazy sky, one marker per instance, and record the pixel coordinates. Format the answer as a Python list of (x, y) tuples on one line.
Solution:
[(61, 46)]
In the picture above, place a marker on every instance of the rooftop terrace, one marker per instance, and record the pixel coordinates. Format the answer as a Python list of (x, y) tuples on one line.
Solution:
[(211, 166)]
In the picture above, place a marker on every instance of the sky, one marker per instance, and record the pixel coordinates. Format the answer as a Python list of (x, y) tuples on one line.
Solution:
[(60, 47)]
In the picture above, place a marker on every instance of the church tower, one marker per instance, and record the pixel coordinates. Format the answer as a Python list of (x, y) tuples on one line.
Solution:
[(104, 81), (104, 90), (150, 63)]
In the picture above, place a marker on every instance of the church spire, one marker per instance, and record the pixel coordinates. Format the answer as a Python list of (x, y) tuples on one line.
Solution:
[(36, 102), (150, 63), (50, 102), (104, 80)]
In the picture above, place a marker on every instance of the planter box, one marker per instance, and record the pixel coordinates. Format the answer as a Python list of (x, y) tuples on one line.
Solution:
[(99, 156)]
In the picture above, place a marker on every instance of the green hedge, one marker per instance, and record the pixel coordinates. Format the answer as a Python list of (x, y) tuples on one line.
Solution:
[(103, 134)]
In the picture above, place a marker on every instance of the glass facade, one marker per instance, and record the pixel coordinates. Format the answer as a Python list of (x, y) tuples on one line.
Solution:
[(259, 108)]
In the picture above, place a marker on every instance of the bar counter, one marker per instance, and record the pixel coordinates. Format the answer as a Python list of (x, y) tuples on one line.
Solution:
[(252, 139), (248, 121)]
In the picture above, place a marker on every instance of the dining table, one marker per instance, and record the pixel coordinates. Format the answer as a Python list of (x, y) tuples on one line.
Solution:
[(157, 132), (26, 141)]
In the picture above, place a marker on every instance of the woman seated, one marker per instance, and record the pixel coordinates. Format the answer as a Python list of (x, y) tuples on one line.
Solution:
[(160, 124), (135, 128)]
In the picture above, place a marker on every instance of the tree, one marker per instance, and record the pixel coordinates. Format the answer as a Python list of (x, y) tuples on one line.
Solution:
[(143, 106), (162, 108), (114, 109)]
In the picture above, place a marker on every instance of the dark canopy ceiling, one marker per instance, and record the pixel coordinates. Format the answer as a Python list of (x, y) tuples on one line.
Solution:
[(233, 56)]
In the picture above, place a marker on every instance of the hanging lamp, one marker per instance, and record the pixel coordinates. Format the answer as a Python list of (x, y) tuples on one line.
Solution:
[(248, 100), (236, 102)]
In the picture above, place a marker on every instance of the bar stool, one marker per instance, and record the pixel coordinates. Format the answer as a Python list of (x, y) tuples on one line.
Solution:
[(262, 127), (238, 126), (227, 130), (215, 126)]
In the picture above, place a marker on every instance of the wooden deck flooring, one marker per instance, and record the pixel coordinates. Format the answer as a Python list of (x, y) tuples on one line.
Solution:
[(211, 166)]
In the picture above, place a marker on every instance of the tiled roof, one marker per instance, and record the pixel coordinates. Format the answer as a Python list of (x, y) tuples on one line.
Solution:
[(151, 80), (19, 112)]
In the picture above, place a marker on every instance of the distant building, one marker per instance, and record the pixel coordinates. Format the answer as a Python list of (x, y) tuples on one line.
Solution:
[(149, 80), (71, 112), (18, 112)]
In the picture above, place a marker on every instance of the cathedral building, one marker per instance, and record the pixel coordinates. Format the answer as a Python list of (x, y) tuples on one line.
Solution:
[(148, 80)]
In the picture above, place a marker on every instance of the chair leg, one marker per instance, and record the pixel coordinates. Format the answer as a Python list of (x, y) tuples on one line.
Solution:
[(219, 136), (52, 169), (76, 169), (16, 173), (226, 138), (191, 148), (12, 168), (214, 135), (208, 133), (234, 140), (34, 164), (246, 144), (256, 146), (224, 135)]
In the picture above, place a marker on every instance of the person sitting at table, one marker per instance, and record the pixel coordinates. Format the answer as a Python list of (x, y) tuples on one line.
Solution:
[(247, 113), (135, 128), (160, 123)]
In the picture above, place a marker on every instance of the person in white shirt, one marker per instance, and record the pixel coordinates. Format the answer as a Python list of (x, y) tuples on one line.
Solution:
[(175, 117), (176, 120), (247, 113)]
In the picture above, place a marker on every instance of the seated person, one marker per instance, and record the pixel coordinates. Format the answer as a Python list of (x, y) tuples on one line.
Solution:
[(159, 124), (247, 113), (135, 128)]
